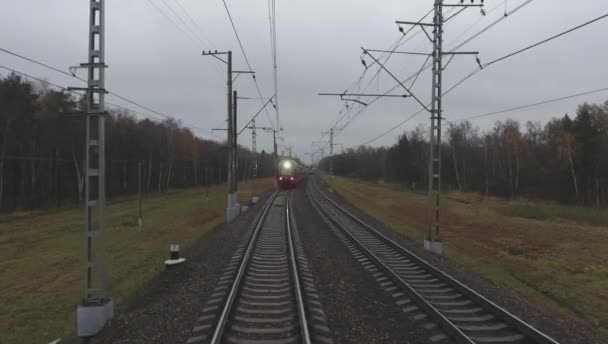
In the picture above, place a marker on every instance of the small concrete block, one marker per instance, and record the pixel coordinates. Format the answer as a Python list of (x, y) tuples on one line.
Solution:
[(437, 247), (173, 262), (244, 208), (255, 199), (232, 213), (427, 245), (92, 319)]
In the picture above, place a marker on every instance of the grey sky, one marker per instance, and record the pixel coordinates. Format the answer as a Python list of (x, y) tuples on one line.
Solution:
[(319, 41)]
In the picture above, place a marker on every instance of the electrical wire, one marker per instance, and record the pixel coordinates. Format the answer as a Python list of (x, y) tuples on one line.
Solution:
[(491, 63), (530, 105), (172, 21), (179, 17), (132, 102), (238, 38), (195, 23), (65, 89), (455, 48)]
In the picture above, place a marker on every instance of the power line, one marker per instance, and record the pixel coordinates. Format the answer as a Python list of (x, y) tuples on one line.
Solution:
[(179, 17), (455, 48), (65, 89), (547, 40), (110, 92), (387, 55), (238, 38), (171, 20), (531, 105), (36, 62), (195, 23), (487, 65), (177, 26)]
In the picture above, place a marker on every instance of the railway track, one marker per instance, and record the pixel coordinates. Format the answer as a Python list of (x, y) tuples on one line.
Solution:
[(421, 289), (267, 294)]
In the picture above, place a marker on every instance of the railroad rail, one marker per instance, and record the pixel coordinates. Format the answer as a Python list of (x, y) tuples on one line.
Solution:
[(266, 294), (465, 315)]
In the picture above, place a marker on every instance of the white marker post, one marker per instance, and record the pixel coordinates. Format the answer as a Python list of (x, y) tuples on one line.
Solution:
[(174, 258)]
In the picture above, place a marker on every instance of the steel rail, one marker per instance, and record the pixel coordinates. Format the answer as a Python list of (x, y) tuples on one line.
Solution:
[(509, 318), (295, 275), (447, 325), (221, 324)]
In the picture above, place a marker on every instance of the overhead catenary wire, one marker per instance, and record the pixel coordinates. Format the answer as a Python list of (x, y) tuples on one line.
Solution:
[(386, 56), (502, 58), (65, 89), (132, 102), (238, 38), (527, 2), (188, 32), (172, 21), (188, 27), (195, 23), (576, 95)]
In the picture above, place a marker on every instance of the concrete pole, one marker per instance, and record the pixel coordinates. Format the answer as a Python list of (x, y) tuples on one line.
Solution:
[(231, 208), (139, 175), (433, 241), (96, 307), (331, 151), (234, 147)]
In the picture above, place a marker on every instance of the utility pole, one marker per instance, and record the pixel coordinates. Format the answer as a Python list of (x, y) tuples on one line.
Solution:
[(331, 151), (254, 148), (96, 307), (233, 146), (276, 156), (139, 170), (254, 142), (433, 241), (232, 209)]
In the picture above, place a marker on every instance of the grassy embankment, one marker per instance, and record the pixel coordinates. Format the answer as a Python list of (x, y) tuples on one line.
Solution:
[(41, 255), (553, 256)]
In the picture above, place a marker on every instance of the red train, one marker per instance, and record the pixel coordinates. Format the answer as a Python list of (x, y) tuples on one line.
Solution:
[(288, 174)]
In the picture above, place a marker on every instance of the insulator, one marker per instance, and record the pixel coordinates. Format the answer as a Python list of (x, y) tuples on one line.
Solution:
[(401, 29), (364, 64)]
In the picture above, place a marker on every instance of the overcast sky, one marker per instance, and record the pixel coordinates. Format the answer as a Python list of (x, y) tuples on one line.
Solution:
[(319, 45)]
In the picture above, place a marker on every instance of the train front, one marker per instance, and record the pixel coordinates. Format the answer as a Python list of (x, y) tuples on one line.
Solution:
[(287, 176)]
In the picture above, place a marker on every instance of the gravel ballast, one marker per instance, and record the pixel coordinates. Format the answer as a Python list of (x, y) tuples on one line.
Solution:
[(561, 330), (358, 310), (166, 309)]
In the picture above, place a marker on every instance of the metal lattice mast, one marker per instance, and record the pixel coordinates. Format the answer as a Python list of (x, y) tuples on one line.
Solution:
[(331, 151), (254, 148), (95, 192), (96, 308), (436, 111)]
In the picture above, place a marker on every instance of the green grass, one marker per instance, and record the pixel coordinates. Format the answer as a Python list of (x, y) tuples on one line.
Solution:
[(41, 255), (582, 215), (560, 266)]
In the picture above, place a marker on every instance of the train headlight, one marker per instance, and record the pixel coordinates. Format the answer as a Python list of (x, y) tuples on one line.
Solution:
[(287, 165)]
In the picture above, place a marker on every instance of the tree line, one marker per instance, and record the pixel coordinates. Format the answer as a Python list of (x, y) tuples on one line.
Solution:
[(565, 160), (42, 151)]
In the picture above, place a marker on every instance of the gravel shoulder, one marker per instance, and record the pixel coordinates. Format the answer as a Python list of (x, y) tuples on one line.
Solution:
[(358, 310), (562, 330), (166, 309)]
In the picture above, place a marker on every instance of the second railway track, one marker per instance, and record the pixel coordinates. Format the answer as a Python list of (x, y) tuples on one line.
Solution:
[(463, 314), (267, 291)]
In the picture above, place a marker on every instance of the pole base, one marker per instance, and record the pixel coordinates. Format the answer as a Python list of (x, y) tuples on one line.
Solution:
[(172, 262), (92, 318), (434, 246), (232, 209)]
